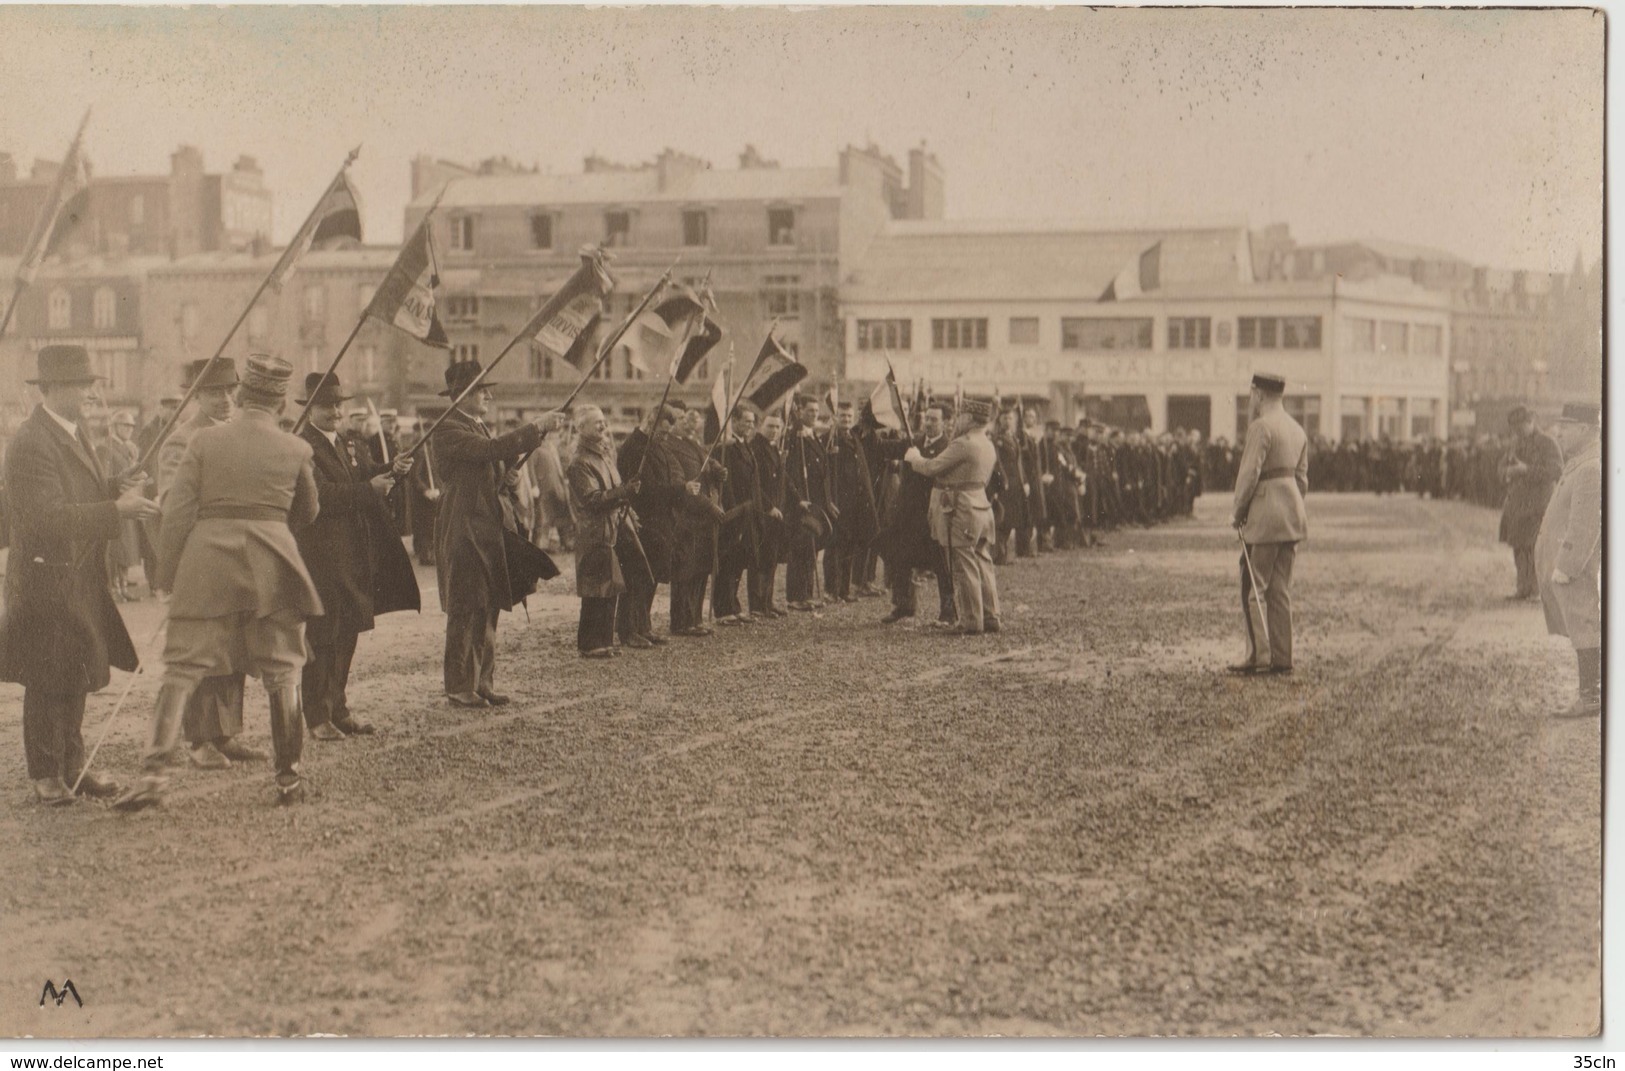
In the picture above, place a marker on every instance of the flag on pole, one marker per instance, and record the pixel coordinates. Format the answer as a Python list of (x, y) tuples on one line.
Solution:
[(721, 402), (673, 337), (65, 208), (959, 392), (565, 323), (887, 404), (1138, 277), (775, 375), (406, 296), (337, 215)]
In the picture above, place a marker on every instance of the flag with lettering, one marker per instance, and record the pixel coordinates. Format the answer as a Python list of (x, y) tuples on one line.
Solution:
[(337, 215), (406, 296), (66, 207), (564, 325)]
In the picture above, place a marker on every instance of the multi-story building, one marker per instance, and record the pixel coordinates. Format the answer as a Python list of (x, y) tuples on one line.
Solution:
[(186, 211), (1517, 337), (772, 242), (1015, 310)]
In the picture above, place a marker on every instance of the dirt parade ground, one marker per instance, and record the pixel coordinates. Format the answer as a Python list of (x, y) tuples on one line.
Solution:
[(830, 826)]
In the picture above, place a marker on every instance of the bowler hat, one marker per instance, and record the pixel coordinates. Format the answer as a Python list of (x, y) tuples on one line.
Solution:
[(459, 374), (1582, 413), (64, 364), (222, 372), (326, 388)]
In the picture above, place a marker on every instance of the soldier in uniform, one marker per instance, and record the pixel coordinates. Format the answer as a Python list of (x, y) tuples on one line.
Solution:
[(471, 528), (214, 713), (761, 576), (1530, 469), (962, 517), (1269, 514), (240, 590), (1568, 552), (599, 502), (907, 543), (354, 556), (806, 505), (60, 633)]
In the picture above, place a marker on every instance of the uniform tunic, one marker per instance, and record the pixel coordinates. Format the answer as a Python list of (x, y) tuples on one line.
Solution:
[(1571, 540)]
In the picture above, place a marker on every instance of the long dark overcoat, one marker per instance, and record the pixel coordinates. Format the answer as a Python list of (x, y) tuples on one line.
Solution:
[(470, 553)]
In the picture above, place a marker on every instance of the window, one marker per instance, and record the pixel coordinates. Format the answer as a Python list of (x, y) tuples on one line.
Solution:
[(884, 334), (1190, 333), (259, 324), (1278, 332), (367, 363), (1362, 335), (466, 351), (968, 334), (138, 210), (617, 228), (541, 362), (1392, 338), (781, 226), (1427, 340), (1305, 409), (1106, 333), (462, 234), (782, 294), (1023, 330), (189, 320), (104, 309), (696, 227), (541, 231), (462, 308), (59, 310), (315, 306)]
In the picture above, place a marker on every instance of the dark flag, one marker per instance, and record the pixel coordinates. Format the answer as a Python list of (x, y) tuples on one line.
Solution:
[(406, 296), (563, 327), (337, 215), (673, 336), (773, 377)]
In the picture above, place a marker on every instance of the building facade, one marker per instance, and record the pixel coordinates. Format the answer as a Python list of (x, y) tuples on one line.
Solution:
[(1016, 311), (771, 242)]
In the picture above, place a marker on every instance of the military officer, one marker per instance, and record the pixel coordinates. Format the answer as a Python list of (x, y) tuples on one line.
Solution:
[(962, 517), (1568, 552), (1269, 513), (240, 592)]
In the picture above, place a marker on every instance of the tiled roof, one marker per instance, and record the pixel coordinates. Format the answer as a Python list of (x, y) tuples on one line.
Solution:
[(632, 187), (1035, 261)]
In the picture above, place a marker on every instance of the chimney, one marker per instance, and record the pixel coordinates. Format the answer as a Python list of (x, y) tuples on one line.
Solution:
[(186, 160), (927, 185)]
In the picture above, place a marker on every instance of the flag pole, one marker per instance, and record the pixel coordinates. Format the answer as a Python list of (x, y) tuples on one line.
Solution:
[(265, 283), (624, 326), (737, 398), (43, 226), (891, 385), (304, 413), (475, 383)]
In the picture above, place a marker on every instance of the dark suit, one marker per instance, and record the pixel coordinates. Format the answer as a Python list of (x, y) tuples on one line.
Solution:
[(761, 578), (60, 632), (905, 543), (804, 476), (740, 540), (349, 549)]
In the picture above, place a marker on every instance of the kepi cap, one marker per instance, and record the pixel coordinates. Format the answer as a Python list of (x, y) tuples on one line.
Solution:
[(1270, 381), (267, 375)]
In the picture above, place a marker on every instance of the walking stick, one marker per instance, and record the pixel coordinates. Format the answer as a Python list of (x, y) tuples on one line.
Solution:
[(118, 706), (1258, 595)]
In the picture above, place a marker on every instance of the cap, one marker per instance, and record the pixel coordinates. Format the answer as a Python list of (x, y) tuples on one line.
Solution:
[(1270, 382), (267, 375)]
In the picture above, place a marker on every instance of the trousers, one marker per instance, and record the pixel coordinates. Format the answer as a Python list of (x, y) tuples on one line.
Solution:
[(471, 641), (725, 592), (53, 738), (632, 611), (976, 592), (760, 581), (215, 711), (596, 627), (800, 569), (326, 675), (1523, 558), (1272, 564)]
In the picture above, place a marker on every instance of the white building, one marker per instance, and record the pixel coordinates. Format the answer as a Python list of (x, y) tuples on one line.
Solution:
[(1015, 309)]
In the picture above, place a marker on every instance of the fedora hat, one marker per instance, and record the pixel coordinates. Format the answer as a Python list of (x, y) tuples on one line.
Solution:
[(1588, 413), (64, 364), (459, 374), (326, 388), (222, 373)]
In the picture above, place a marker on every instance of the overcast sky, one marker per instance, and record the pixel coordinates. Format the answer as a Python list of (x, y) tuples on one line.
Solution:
[(1479, 132)]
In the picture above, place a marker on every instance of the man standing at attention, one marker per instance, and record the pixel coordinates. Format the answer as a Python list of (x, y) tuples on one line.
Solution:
[(1270, 516), (598, 501)]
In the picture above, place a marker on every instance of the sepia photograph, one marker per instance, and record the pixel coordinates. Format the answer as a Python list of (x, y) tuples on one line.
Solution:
[(800, 523)]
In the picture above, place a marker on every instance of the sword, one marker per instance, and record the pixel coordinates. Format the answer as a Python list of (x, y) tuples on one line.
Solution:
[(128, 684), (1258, 595)]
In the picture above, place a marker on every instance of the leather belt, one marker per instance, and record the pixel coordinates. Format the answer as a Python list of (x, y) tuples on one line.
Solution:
[(1277, 474), (969, 485), (242, 513)]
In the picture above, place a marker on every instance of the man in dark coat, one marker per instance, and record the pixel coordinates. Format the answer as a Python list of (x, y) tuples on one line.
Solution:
[(906, 543), (856, 521), (423, 503), (806, 507), (1033, 462), (739, 541), (694, 484), (761, 575), (1530, 469), (471, 553), (599, 507), (60, 632), (645, 458), (1062, 491), (353, 555), (1010, 505)]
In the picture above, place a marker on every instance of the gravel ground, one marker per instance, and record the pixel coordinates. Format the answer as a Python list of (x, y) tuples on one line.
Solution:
[(827, 826)]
